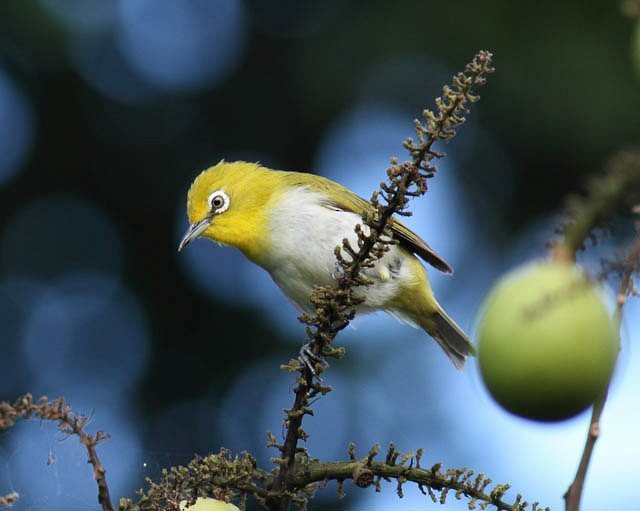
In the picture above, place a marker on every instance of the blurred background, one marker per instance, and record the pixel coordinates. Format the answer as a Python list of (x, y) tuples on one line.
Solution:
[(108, 110)]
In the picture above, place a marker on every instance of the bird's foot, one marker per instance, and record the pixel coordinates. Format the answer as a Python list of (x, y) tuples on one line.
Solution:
[(312, 360)]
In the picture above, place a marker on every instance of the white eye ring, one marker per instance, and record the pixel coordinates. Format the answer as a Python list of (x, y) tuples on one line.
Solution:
[(218, 202)]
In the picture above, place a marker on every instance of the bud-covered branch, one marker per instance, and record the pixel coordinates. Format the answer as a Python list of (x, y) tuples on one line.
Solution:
[(69, 423)]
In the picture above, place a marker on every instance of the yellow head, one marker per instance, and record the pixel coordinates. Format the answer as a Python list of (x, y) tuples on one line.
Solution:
[(229, 203)]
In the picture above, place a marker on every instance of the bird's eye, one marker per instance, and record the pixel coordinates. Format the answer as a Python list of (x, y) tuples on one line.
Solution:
[(218, 201)]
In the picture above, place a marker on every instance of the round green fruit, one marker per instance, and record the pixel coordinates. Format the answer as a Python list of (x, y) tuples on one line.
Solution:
[(546, 342)]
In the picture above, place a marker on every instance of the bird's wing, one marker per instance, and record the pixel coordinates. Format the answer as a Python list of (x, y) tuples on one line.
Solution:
[(416, 244), (344, 199)]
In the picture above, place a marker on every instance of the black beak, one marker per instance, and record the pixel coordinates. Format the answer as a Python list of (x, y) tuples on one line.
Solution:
[(194, 231)]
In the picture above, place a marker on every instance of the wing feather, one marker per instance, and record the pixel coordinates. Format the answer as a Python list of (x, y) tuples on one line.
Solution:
[(342, 198)]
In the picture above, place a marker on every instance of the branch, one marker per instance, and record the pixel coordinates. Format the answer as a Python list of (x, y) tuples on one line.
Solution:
[(434, 482), (227, 478), (631, 265), (335, 306), (69, 423), (616, 190)]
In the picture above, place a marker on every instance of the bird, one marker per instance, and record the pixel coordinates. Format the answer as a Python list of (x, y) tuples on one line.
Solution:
[(290, 223)]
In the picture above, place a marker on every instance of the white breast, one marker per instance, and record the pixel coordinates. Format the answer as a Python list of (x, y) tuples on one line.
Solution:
[(305, 233)]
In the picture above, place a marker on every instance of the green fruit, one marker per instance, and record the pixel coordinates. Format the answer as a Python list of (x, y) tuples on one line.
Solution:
[(547, 345)]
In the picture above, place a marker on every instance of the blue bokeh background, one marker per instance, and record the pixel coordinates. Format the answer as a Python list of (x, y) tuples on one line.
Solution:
[(109, 108)]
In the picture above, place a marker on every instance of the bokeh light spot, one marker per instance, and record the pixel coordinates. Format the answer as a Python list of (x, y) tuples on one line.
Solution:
[(16, 128), (83, 16), (101, 63), (246, 417), (183, 45), (16, 300), (85, 330), (57, 234)]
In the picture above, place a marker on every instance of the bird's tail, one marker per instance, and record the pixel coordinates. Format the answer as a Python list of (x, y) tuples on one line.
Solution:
[(449, 336)]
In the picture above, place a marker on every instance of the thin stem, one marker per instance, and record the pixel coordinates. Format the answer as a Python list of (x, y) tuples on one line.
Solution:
[(460, 481), (574, 493), (290, 446), (70, 424)]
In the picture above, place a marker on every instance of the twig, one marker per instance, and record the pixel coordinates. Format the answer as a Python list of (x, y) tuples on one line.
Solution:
[(230, 478), (69, 423), (574, 493), (450, 480), (616, 190), (406, 468), (335, 307)]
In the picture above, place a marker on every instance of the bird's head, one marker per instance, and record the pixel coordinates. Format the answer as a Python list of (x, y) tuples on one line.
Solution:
[(228, 203)]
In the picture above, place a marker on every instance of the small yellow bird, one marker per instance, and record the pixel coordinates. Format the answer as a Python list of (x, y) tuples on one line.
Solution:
[(289, 223)]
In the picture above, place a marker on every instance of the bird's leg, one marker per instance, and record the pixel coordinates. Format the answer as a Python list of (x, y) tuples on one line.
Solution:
[(311, 359)]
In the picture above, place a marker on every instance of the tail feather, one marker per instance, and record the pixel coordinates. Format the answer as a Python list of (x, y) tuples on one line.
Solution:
[(450, 337)]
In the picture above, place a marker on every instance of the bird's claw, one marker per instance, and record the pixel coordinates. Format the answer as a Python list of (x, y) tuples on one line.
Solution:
[(311, 360)]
